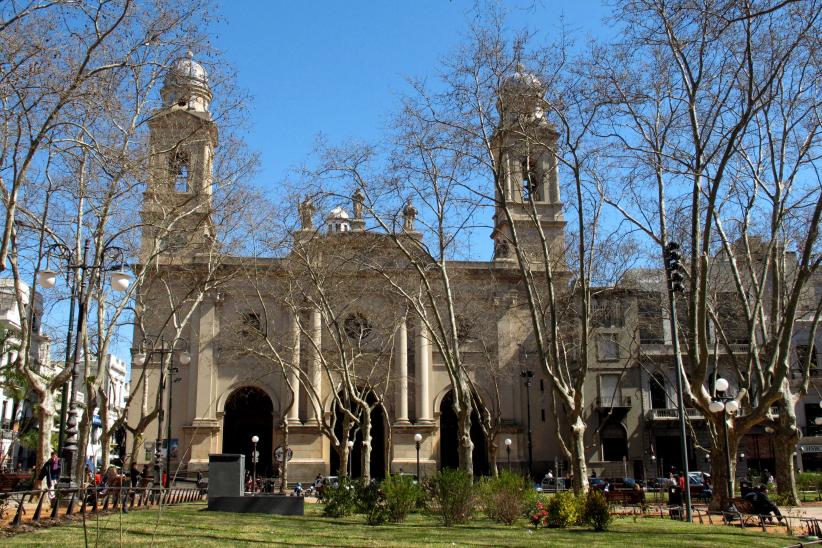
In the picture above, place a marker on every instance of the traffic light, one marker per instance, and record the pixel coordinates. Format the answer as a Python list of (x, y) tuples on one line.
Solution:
[(674, 268)]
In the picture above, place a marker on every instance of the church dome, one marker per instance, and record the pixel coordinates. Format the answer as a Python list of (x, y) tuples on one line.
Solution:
[(338, 221), (186, 69), (337, 213), (522, 82)]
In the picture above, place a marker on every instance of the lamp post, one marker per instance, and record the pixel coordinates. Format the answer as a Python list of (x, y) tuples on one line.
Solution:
[(527, 374), (350, 444), (674, 276), (142, 355), (508, 450), (726, 405), (254, 439), (417, 441), (111, 259)]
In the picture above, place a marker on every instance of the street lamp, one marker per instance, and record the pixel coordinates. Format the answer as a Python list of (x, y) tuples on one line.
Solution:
[(417, 441), (726, 405), (508, 450), (254, 439), (350, 444), (527, 374), (675, 278), (111, 259), (142, 355)]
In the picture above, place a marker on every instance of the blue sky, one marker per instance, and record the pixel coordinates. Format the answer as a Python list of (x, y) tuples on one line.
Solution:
[(337, 68)]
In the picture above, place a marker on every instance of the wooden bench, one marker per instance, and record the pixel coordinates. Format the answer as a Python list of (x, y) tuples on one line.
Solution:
[(746, 515), (626, 496)]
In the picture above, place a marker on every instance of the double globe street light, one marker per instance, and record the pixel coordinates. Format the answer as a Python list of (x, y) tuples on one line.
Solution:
[(80, 275), (726, 404)]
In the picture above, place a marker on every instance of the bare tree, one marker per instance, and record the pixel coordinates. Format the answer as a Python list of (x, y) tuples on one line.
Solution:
[(715, 132)]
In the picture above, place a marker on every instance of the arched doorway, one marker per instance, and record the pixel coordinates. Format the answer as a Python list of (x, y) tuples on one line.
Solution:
[(614, 442), (249, 412), (449, 438), (377, 465)]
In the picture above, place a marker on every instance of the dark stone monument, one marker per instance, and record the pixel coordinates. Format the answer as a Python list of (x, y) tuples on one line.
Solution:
[(226, 473)]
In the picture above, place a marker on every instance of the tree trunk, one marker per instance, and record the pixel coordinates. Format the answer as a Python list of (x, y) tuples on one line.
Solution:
[(787, 437), (83, 431), (45, 420), (719, 470), (492, 455), (466, 446), (578, 467), (284, 463), (365, 426)]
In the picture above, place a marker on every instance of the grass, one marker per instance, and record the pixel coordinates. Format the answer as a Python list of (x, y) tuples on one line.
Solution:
[(190, 525)]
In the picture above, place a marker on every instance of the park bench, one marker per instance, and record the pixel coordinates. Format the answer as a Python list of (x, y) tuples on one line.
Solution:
[(625, 496)]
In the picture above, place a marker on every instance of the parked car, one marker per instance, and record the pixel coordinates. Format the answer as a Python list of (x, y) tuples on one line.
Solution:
[(597, 483)]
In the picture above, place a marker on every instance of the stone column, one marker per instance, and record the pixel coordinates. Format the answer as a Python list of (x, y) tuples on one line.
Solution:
[(203, 342), (316, 365), (401, 360), (293, 372), (423, 365)]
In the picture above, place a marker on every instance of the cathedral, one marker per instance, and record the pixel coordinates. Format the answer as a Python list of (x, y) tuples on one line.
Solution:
[(268, 349)]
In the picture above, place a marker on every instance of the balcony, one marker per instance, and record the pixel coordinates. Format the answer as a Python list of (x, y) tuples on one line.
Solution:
[(611, 402), (672, 414)]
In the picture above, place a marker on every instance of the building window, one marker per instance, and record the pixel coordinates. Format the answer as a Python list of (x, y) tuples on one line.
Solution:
[(357, 327), (659, 398), (607, 313), (649, 317), (610, 393), (542, 412), (608, 347), (252, 324), (614, 442), (526, 180), (180, 172), (802, 351)]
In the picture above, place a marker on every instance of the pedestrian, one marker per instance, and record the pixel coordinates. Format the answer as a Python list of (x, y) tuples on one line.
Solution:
[(50, 472), (134, 475), (681, 482), (762, 505)]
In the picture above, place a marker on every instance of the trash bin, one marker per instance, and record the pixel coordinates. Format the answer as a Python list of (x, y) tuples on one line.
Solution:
[(674, 496)]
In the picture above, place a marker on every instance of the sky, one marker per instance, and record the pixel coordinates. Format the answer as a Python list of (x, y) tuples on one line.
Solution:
[(337, 68)]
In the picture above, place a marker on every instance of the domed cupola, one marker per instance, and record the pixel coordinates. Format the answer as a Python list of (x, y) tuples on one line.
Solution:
[(338, 221), (521, 94), (186, 85)]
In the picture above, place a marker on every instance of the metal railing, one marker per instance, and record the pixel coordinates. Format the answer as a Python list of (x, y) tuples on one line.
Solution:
[(61, 502), (673, 414)]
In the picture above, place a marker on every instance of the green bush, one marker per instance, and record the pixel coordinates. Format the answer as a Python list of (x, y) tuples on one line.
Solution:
[(595, 511), (809, 481), (402, 495), (563, 510), (340, 500), (451, 496), (370, 501), (505, 497)]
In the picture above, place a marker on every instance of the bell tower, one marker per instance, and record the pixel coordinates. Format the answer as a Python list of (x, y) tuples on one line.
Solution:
[(524, 148), (183, 136)]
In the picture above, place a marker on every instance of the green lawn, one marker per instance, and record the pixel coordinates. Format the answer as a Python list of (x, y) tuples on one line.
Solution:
[(190, 525)]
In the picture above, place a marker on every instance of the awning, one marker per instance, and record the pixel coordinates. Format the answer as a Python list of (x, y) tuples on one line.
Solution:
[(811, 444)]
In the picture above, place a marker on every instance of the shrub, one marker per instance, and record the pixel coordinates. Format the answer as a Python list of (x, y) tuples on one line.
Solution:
[(451, 496), (563, 510), (402, 495), (536, 509), (370, 500), (809, 481), (341, 499), (505, 497), (595, 511)]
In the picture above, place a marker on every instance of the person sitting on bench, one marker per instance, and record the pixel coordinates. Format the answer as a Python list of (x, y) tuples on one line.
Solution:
[(762, 505)]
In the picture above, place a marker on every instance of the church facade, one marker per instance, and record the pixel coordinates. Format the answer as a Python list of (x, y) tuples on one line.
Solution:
[(270, 348)]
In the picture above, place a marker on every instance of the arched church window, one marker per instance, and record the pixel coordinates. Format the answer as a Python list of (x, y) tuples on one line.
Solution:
[(526, 180), (357, 327), (180, 171)]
